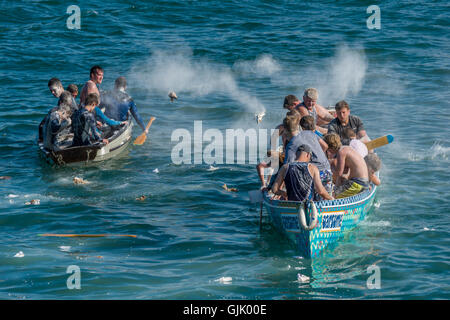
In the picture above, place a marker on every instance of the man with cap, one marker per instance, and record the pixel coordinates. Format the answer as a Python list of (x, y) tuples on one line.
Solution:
[(310, 107), (301, 178)]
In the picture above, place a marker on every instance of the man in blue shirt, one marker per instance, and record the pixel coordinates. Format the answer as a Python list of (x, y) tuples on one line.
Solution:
[(118, 103)]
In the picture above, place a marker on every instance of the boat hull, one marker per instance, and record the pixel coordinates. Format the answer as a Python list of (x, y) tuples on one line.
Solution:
[(335, 218), (94, 153)]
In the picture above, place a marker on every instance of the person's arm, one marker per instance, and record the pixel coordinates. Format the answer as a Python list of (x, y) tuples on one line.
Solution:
[(279, 181), (360, 131), (340, 166), (323, 114), (99, 114), (136, 116), (332, 127), (323, 144), (318, 187), (260, 169), (374, 179)]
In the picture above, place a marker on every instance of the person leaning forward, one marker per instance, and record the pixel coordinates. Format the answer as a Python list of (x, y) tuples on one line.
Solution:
[(301, 178), (84, 124)]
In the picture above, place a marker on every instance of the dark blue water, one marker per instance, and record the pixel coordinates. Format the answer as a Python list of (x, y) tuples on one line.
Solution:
[(226, 60)]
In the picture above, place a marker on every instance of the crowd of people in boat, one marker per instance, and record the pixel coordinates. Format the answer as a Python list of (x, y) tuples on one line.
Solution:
[(71, 124), (323, 156)]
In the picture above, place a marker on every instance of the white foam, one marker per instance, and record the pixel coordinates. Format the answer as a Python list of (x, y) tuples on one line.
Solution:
[(302, 278), (65, 248)]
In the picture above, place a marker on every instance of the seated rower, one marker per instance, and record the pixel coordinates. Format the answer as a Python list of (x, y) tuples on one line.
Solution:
[(84, 124), (316, 144), (373, 163), (56, 129), (301, 178), (310, 107), (118, 103), (343, 120), (347, 157)]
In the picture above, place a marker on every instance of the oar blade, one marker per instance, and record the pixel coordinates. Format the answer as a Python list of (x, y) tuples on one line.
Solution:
[(141, 139), (378, 142)]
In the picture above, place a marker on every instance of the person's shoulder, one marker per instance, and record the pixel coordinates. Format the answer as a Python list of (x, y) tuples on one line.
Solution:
[(334, 123)]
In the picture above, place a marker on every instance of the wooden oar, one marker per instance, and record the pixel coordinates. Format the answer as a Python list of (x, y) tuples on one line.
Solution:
[(86, 235), (378, 142), (141, 139)]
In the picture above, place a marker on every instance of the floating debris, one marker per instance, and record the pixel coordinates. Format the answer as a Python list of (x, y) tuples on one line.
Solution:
[(156, 170), (224, 280), (12, 195), (302, 278), (19, 255), (34, 202), (5, 177), (211, 168), (229, 189), (77, 180), (172, 96), (259, 116), (141, 198), (427, 229)]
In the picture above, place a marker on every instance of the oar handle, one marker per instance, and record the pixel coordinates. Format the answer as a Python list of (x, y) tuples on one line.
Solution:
[(149, 123)]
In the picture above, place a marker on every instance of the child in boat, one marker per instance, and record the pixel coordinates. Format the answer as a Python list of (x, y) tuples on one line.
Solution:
[(84, 124), (347, 157), (56, 129), (373, 163), (355, 143), (73, 89)]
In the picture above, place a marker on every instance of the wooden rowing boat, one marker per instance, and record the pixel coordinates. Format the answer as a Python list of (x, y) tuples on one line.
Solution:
[(334, 219), (118, 142)]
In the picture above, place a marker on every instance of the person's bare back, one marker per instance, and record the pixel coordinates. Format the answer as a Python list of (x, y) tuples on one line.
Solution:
[(347, 157)]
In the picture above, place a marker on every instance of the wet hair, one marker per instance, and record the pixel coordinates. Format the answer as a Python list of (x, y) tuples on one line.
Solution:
[(307, 123), (120, 82), (289, 100), (349, 133), (311, 93), (72, 88), (333, 141), (373, 162), (292, 122), (341, 104), (92, 98), (95, 69), (65, 101), (54, 82)]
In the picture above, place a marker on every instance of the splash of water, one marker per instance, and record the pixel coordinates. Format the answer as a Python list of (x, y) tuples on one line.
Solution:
[(166, 71)]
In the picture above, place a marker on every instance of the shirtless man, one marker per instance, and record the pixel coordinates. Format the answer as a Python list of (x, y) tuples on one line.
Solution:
[(347, 157), (310, 107), (96, 77)]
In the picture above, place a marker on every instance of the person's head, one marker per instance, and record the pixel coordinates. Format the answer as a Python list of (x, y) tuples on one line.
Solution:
[(120, 83), (310, 97), (73, 89), (303, 153), (333, 141), (342, 110), (290, 101), (65, 101), (96, 74), (55, 86), (307, 123), (349, 133), (291, 123), (92, 101), (373, 162)]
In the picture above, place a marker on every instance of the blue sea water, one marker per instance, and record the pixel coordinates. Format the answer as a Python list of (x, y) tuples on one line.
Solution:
[(225, 60)]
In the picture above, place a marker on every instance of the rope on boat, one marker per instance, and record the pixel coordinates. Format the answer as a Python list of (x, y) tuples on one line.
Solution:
[(302, 217)]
